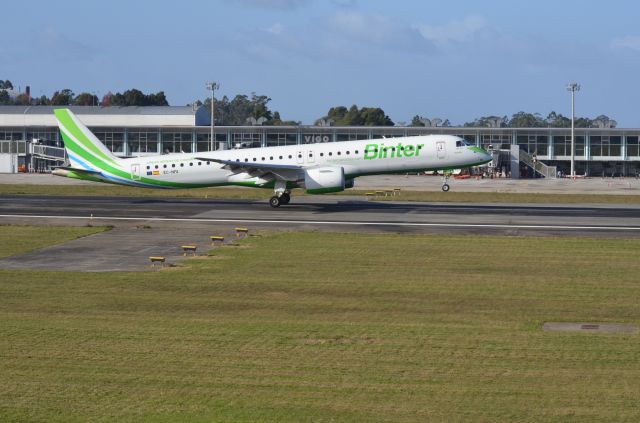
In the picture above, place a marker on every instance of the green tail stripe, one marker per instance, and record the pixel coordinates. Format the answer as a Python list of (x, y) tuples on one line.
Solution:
[(63, 116), (105, 167)]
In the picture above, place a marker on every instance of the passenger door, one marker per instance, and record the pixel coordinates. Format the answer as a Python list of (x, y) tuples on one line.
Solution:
[(135, 172), (441, 149)]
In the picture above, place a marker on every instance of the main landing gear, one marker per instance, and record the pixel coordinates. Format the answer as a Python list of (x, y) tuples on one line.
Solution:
[(445, 185), (281, 194), (278, 200)]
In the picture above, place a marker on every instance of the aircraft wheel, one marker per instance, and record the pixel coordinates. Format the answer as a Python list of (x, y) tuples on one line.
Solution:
[(285, 198), (445, 187), (274, 201)]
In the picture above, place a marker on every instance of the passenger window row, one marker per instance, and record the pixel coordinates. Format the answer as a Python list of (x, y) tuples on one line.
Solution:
[(164, 166), (173, 165)]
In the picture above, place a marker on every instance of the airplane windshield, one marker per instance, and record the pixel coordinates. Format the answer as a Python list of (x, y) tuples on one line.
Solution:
[(463, 143)]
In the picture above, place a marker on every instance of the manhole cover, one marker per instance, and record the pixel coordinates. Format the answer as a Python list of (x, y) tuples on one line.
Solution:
[(590, 327)]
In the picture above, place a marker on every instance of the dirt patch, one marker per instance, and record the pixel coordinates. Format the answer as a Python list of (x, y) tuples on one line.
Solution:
[(590, 327)]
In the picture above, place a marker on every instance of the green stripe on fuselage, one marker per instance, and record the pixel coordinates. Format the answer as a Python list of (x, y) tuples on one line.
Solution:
[(105, 167)]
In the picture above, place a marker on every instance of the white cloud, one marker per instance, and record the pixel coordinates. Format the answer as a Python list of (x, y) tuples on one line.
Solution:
[(275, 29), (272, 44), (275, 4), (345, 3), (377, 30), (52, 42), (454, 32), (630, 42)]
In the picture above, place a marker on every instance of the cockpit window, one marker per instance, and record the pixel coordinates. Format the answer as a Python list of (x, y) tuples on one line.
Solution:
[(463, 143)]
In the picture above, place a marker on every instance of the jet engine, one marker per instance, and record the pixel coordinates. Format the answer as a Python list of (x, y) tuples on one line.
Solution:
[(319, 180)]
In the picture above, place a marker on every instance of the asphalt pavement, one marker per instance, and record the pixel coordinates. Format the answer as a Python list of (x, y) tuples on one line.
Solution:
[(160, 226)]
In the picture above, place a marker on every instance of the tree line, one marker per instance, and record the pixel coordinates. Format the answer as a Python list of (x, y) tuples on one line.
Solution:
[(243, 110), (254, 109), (66, 97), (535, 120)]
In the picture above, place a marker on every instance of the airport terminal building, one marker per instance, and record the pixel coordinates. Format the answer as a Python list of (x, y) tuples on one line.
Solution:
[(30, 140)]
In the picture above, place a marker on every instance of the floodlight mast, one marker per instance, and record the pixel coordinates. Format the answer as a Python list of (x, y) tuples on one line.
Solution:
[(573, 87), (213, 86)]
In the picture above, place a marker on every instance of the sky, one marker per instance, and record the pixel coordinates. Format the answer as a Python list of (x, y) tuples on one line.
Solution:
[(453, 59)]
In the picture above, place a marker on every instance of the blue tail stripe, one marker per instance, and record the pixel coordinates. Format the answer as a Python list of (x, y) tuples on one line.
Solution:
[(74, 158)]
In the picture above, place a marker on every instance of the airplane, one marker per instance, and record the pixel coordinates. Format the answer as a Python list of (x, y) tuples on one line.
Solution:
[(318, 168)]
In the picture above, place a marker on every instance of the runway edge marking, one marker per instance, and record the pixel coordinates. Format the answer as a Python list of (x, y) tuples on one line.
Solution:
[(319, 222)]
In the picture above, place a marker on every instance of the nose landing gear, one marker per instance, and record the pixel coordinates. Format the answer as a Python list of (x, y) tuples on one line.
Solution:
[(445, 185)]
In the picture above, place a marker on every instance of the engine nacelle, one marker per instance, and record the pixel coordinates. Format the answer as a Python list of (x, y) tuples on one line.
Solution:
[(320, 180)]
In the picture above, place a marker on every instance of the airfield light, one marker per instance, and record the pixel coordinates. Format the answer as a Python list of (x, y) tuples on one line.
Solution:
[(213, 86), (573, 87)]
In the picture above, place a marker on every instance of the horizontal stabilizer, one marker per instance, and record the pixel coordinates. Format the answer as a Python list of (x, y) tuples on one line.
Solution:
[(74, 169)]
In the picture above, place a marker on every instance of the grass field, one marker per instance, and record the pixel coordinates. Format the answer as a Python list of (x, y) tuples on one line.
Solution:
[(16, 240), (330, 327), (264, 194)]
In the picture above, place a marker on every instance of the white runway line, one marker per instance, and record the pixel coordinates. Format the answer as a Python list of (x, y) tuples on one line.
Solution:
[(321, 222)]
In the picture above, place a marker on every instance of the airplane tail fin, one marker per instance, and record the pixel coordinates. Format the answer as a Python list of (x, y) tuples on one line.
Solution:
[(84, 150)]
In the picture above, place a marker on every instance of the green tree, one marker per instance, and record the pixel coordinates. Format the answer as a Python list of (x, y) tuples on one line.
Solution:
[(62, 98), (582, 122), (417, 121), (22, 100), (370, 116), (242, 107), (6, 85), (275, 119), (557, 120), (374, 116), (352, 118), (526, 120), (157, 99), (135, 97), (259, 106), (86, 99), (42, 101), (337, 114), (5, 100), (489, 121)]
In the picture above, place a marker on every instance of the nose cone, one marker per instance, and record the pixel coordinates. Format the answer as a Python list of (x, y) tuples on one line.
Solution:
[(482, 154)]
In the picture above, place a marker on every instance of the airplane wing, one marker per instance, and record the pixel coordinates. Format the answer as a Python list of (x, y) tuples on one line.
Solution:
[(280, 171)]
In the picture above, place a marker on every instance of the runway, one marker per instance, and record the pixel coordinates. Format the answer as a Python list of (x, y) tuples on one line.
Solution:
[(331, 213), (146, 227)]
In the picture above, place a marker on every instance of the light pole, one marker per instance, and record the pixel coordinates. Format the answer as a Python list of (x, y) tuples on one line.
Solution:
[(213, 86), (573, 87)]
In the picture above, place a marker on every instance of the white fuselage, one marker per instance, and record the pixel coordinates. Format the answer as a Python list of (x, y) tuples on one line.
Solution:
[(429, 152)]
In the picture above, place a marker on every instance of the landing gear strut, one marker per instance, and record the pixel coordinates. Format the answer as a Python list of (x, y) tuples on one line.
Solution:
[(445, 185)]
